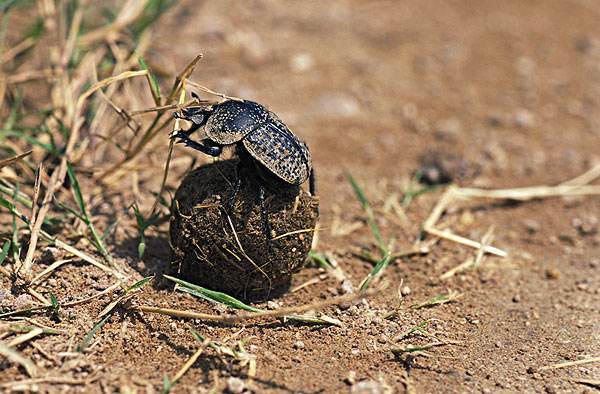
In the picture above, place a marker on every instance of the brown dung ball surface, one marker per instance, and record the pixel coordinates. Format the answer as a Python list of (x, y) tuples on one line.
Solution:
[(207, 252)]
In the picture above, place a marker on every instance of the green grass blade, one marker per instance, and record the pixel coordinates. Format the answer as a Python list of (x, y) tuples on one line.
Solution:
[(87, 339), (139, 284), (13, 210), (153, 10), (154, 86), (76, 189), (142, 224), (54, 301), (16, 246), (5, 5), (211, 295), (364, 202), (166, 384), (97, 240), (72, 211), (109, 229), (4, 252), (376, 271), (197, 336)]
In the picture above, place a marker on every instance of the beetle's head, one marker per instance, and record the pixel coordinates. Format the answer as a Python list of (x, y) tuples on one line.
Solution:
[(198, 115)]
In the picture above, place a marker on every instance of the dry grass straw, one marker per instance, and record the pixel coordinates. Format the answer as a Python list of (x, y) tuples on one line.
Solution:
[(279, 313), (188, 364), (68, 80), (36, 385), (16, 357), (570, 364), (14, 159), (472, 262), (588, 382), (578, 186), (155, 127), (25, 337)]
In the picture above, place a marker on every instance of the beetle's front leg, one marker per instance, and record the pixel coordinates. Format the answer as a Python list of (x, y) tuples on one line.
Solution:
[(187, 132), (205, 146)]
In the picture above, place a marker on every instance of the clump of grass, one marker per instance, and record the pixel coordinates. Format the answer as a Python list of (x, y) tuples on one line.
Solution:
[(84, 216), (143, 224), (386, 257)]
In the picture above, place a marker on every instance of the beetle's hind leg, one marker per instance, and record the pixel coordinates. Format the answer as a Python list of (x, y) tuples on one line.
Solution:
[(266, 227), (237, 185)]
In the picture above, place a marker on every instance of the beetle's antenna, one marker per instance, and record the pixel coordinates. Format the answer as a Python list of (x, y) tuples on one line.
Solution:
[(210, 91)]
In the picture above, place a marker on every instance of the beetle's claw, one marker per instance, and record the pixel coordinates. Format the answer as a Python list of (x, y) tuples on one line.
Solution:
[(180, 137)]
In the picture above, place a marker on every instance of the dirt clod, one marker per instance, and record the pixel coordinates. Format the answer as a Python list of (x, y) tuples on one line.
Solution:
[(231, 251), (439, 168)]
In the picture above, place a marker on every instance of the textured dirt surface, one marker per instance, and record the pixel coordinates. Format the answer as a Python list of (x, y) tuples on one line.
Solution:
[(372, 87)]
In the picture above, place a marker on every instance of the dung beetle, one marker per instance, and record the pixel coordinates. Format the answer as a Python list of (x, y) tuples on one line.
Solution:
[(258, 135)]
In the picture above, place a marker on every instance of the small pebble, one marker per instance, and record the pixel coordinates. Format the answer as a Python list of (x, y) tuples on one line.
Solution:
[(23, 301), (550, 389), (351, 378), (299, 345), (516, 298), (347, 287), (302, 62), (583, 285), (587, 225), (532, 226), (524, 119), (405, 291), (50, 254), (552, 274), (235, 385)]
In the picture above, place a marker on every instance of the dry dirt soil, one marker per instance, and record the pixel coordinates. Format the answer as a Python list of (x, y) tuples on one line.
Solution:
[(512, 90)]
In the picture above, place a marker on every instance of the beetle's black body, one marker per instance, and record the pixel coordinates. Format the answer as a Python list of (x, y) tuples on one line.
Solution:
[(258, 135)]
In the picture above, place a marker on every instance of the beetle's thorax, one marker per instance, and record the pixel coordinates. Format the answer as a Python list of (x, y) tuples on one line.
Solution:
[(232, 120)]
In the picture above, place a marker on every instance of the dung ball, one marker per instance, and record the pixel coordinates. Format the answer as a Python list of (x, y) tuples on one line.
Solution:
[(224, 246)]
